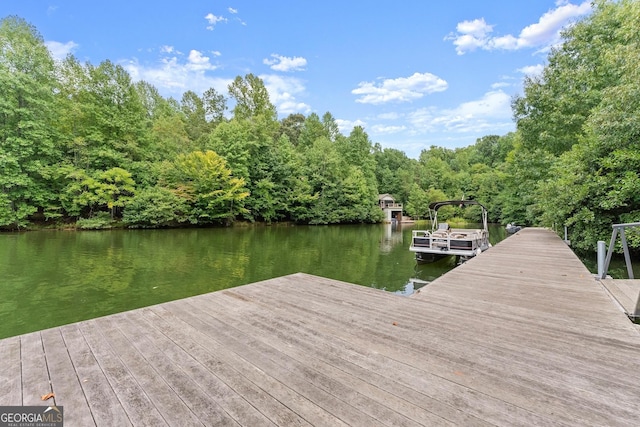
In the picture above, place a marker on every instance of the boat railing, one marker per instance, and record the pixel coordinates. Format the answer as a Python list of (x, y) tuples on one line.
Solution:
[(391, 205), (442, 239)]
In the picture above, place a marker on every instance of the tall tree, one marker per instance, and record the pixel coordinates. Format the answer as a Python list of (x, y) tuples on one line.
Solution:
[(215, 105), (394, 172), (251, 98), (291, 126), (207, 186), (195, 116), (584, 111), (105, 121), (27, 148), (330, 126), (434, 171), (555, 106), (312, 129)]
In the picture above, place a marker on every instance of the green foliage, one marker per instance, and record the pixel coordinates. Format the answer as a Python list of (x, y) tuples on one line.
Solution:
[(394, 172), (87, 193), (195, 119), (312, 130), (84, 141), (252, 98), (435, 171), (492, 150), (203, 181), (101, 221), (27, 138), (156, 207), (578, 164), (417, 203), (419, 200), (215, 106), (291, 126)]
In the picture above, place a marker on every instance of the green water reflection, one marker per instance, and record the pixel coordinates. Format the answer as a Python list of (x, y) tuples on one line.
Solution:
[(50, 278)]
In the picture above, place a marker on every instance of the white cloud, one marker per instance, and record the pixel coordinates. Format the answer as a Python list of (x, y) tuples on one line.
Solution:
[(471, 35), (548, 28), (59, 51), (477, 28), (499, 85), (213, 20), (485, 114), (198, 62), (402, 89), (532, 70), (388, 116), (346, 126), (386, 129), (284, 63), (173, 76), (283, 92), (507, 42), (232, 10)]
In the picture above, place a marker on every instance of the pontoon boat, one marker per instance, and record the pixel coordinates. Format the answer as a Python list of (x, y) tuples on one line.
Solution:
[(442, 241)]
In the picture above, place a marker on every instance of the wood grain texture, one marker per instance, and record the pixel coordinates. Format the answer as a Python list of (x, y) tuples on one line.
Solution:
[(626, 292)]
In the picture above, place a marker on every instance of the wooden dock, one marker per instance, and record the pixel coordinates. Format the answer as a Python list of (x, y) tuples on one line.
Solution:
[(520, 335), (626, 292)]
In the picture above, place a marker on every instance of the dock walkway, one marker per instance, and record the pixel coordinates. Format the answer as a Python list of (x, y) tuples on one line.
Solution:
[(626, 292), (520, 335)]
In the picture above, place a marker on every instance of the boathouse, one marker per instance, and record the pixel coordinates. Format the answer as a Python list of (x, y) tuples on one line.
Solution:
[(392, 210)]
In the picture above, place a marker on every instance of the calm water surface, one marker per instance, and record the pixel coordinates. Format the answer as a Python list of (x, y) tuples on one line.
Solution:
[(50, 278)]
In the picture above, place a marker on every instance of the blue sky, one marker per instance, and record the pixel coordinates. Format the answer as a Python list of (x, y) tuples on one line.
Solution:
[(413, 73)]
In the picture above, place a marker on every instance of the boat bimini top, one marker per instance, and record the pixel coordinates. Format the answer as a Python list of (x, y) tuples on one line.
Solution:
[(434, 206)]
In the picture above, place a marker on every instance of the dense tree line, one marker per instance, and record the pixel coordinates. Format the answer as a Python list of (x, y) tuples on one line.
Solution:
[(85, 143)]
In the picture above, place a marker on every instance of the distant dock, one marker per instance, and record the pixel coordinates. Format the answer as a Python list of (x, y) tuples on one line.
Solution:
[(520, 335)]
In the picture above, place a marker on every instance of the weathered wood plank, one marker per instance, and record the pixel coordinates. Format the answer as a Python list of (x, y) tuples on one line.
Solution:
[(506, 332), (233, 404), (282, 369), (626, 292), (631, 287), (399, 352), (168, 403), (309, 347), (521, 335), (275, 349), (105, 407), (35, 375), (161, 353), (222, 366), (64, 380), (207, 335), (385, 363), (10, 372), (133, 398)]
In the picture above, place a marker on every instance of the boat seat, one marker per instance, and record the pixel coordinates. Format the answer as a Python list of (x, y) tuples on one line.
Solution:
[(467, 231), (458, 235)]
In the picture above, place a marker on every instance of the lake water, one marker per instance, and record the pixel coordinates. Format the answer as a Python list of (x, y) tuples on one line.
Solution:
[(50, 278)]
